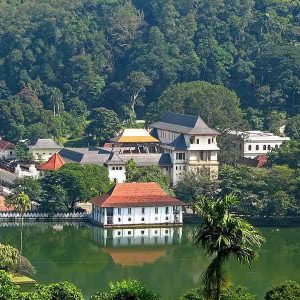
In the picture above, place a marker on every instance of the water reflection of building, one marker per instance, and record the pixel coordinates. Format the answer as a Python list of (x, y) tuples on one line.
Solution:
[(136, 246), (137, 236)]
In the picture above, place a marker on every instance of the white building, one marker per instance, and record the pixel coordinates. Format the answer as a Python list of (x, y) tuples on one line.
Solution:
[(30, 172), (6, 150), (191, 143), (255, 143), (143, 203), (43, 149)]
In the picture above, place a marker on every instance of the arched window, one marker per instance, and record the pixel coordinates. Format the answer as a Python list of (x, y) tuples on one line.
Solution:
[(257, 147), (269, 147), (265, 147), (249, 147)]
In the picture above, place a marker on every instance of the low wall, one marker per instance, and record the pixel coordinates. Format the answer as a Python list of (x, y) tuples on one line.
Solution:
[(12, 216)]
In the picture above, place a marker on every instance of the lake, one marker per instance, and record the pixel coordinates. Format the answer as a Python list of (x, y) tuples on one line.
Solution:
[(163, 258)]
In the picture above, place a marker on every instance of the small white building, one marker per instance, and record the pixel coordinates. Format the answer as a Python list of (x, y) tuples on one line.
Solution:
[(43, 149), (7, 150), (130, 204), (255, 143), (31, 172)]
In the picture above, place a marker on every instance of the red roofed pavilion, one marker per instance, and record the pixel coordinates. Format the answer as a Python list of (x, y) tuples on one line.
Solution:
[(54, 163), (141, 203)]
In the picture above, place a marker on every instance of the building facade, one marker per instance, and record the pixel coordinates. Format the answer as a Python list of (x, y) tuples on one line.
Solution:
[(255, 143), (142, 203), (7, 150), (190, 142), (43, 149)]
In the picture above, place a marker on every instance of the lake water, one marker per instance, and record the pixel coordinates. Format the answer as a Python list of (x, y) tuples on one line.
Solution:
[(163, 258)]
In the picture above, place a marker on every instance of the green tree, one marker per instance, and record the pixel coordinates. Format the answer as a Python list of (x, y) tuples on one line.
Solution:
[(104, 124), (222, 235), (126, 290), (193, 184), (218, 106), (22, 152), (147, 174), (21, 203), (7, 289), (289, 290), (292, 128), (30, 186), (72, 183), (9, 257)]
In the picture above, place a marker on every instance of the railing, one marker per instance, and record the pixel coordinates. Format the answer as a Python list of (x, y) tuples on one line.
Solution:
[(35, 215)]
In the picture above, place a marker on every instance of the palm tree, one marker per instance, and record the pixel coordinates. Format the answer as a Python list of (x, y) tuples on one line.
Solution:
[(223, 234), (21, 204)]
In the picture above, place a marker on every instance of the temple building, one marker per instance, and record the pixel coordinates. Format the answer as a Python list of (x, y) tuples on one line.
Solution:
[(190, 142), (54, 163), (43, 149), (143, 203)]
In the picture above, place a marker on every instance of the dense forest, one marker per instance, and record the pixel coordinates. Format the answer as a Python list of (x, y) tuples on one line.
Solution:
[(65, 66)]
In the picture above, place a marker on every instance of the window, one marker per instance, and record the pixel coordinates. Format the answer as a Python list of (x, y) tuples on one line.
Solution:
[(119, 219), (167, 210), (167, 218), (276, 146), (180, 156), (142, 232), (209, 141), (249, 147), (192, 140), (113, 168), (119, 232), (269, 147), (143, 219), (129, 232), (209, 155), (155, 232), (176, 168), (129, 219), (143, 210), (129, 210), (156, 210), (201, 155), (119, 211), (257, 147), (265, 147), (166, 231), (198, 141)]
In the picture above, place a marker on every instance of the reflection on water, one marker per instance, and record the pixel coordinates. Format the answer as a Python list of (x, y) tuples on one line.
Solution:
[(136, 246), (137, 236)]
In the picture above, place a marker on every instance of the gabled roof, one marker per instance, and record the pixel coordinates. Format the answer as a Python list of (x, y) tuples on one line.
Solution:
[(136, 194), (54, 163), (142, 160), (45, 144), (134, 135), (186, 124), (4, 145), (179, 143), (85, 155)]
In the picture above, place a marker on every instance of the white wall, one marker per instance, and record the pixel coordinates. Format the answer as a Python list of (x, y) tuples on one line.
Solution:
[(117, 172), (254, 152), (43, 154), (137, 217), (7, 154)]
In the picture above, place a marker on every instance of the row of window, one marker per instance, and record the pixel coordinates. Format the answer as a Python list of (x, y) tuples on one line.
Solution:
[(180, 168), (129, 232), (117, 168), (265, 147), (129, 210), (169, 135), (142, 219), (197, 141), (180, 156)]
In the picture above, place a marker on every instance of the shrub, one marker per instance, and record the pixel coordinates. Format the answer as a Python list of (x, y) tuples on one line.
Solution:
[(56, 291), (26, 268), (7, 289), (9, 258), (288, 290), (126, 290), (193, 294)]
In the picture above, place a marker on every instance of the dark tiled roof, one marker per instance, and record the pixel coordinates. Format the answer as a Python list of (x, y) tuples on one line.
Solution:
[(179, 143), (184, 124), (45, 144), (136, 194)]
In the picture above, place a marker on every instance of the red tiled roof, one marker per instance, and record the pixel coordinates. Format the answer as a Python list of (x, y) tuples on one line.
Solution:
[(136, 194), (3, 206), (4, 145), (54, 163)]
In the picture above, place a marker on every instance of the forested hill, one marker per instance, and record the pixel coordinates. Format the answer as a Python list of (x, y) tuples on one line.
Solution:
[(60, 60)]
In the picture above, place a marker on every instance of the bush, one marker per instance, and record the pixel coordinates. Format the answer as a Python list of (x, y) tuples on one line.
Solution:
[(126, 290), (193, 294), (9, 258), (288, 290), (56, 291), (7, 289), (26, 268)]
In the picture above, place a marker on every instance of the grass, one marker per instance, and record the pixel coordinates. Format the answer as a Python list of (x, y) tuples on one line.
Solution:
[(21, 279)]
